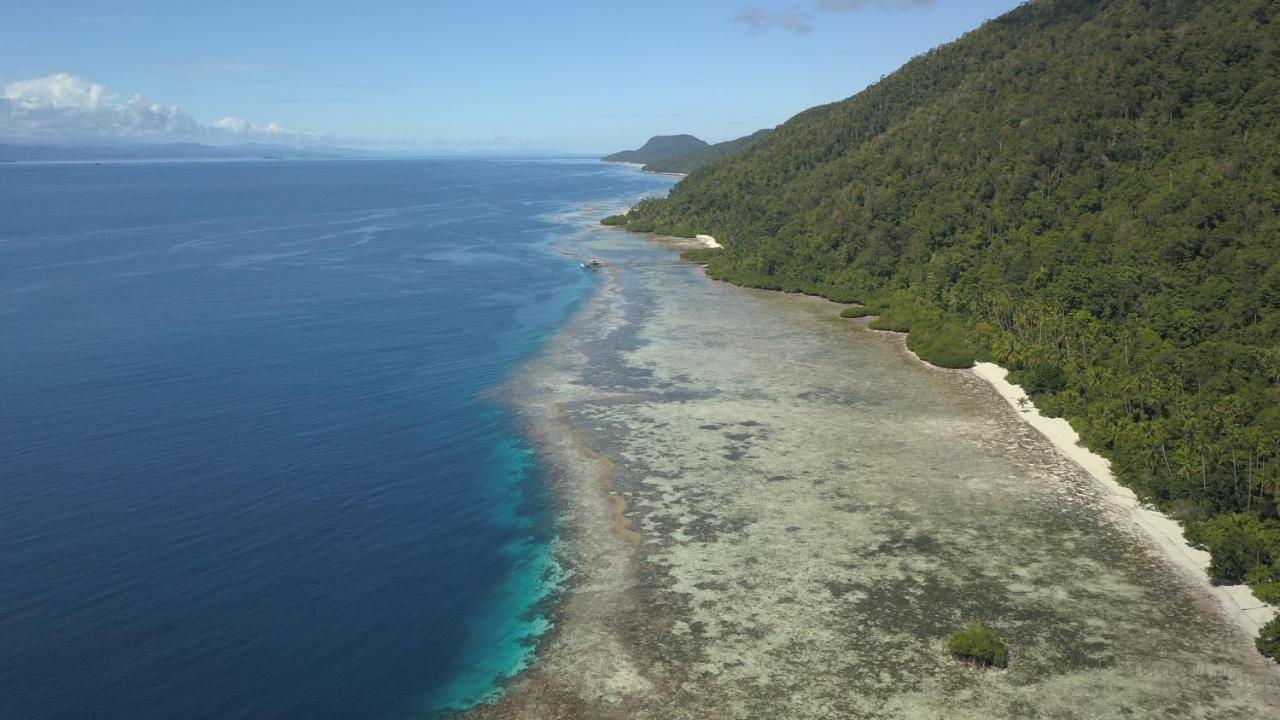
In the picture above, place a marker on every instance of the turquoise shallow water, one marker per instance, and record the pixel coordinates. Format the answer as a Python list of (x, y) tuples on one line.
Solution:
[(503, 631), (247, 464)]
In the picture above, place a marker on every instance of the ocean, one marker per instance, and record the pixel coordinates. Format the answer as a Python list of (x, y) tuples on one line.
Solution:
[(251, 465)]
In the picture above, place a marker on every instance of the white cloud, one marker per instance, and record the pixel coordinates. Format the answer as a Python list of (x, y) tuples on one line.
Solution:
[(148, 117), (232, 125), (56, 92), (64, 107), (271, 131)]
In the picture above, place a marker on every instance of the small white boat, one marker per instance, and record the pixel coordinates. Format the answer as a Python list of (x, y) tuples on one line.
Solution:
[(591, 264)]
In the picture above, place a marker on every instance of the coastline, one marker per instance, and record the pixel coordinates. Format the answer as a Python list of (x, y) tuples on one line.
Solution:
[(597, 547), (715, 539), (640, 167), (1160, 533), (1236, 602)]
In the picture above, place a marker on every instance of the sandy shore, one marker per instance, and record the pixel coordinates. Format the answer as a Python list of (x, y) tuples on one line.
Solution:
[(1237, 602)]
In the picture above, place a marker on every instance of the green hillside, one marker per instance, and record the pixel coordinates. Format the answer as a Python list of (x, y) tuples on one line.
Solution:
[(1085, 191), (659, 147), (688, 162)]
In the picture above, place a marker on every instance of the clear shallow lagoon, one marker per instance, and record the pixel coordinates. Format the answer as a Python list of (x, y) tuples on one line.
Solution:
[(247, 468)]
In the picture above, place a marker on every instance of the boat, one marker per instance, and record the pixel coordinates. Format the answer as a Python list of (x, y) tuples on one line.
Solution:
[(591, 264)]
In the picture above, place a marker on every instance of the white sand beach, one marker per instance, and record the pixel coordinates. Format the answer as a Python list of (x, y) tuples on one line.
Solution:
[(1236, 601), (709, 241)]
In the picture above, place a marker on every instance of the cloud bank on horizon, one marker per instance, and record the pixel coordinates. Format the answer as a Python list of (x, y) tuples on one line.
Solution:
[(800, 19), (67, 108)]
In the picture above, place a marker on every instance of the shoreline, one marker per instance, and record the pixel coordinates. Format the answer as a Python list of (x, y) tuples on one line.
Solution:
[(724, 536), (1236, 602), (1163, 534), (641, 166), (597, 546)]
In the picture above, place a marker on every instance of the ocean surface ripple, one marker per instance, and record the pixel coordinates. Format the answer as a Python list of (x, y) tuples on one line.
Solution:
[(248, 468)]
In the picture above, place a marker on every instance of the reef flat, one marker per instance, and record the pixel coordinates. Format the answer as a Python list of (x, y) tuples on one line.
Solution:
[(772, 512)]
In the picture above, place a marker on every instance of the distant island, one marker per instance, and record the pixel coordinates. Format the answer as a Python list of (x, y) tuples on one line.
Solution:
[(682, 153)]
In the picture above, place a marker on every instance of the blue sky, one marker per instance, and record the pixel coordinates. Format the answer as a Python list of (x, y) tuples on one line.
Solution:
[(576, 76)]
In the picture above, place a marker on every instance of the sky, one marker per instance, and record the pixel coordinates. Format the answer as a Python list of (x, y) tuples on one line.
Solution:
[(581, 76)]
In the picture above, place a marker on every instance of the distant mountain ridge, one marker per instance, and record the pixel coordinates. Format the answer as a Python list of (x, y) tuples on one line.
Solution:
[(659, 147), (682, 153), (691, 161)]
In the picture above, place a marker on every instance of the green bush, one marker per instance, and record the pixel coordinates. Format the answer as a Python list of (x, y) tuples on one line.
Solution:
[(941, 343), (680, 231), (1268, 641), (1263, 574), (837, 293), (614, 220), (937, 338), (979, 644), (700, 255), (724, 269), (640, 226), (1039, 379), (897, 318), (1267, 592), (1241, 546)]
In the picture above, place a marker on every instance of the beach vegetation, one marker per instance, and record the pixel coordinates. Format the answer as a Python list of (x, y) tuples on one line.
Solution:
[(1241, 545), (941, 343), (1268, 640), (937, 337), (700, 255), (838, 292), (1267, 592), (1040, 378), (1085, 193), (615, 220), (980, 645), (677, 230)]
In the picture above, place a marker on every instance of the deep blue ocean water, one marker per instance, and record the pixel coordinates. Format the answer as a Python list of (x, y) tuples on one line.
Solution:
[(247, 464)]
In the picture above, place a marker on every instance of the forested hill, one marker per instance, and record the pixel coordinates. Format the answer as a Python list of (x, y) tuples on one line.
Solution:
[(682, 153), (659, 147), (688, 162), (1086, 191)]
